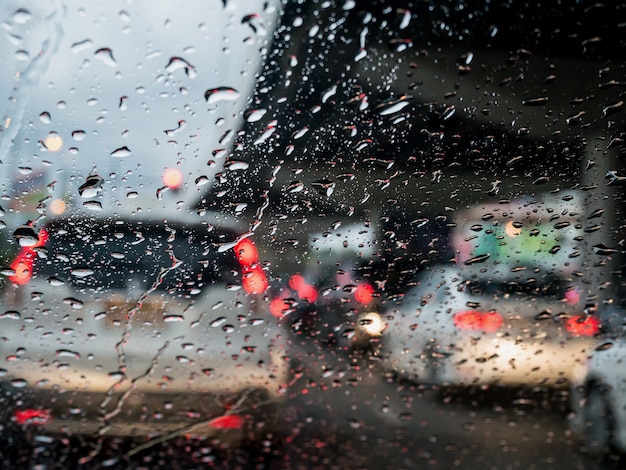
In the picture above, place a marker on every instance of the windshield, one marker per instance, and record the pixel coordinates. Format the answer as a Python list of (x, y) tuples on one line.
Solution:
[(312, 234)]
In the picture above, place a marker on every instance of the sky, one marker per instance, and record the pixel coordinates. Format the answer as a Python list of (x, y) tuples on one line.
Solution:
[(117, 90)]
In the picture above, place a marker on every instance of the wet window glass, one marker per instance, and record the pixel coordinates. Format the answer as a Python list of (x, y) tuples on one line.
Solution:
[(312, 234)]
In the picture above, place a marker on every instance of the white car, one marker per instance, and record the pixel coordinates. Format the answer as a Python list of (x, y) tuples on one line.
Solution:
[(131, 327), (599, 401), (459, 327)]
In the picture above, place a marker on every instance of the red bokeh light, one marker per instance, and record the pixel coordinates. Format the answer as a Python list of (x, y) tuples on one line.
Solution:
[(227, 422), (25, 260), (254, 281), (364, 293), (473, 320), (307, 292), (578, 326), (278, 307), (296, 281), (246, 252), (32, 416)]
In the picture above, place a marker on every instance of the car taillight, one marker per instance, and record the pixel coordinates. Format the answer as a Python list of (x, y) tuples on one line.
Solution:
[(473, 320), (364, 293), (254, 280), (32, 416), (24, 262), (306, 291), (582, 325), (227, 422)]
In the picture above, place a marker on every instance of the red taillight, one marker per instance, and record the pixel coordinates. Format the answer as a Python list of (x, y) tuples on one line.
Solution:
[(278, 307), (254, 280), (23, 266), (32, 416), (25, 260), (364, 293), (246, 252), (227, 422), (473, 320), (581, 325)]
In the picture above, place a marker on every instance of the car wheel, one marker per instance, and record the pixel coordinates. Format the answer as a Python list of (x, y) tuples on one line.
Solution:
[(599, 424)]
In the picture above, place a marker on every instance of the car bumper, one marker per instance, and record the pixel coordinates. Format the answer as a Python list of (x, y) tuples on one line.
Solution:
[(498, 361)]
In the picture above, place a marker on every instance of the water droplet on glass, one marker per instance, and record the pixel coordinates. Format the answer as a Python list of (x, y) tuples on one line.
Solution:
[(234, 165), (123, 103), (11, 315), (477, 259), (106, 56), (218, 322), (81, 46), (254, 115), (121, 152), (215, 95), (300, 133), (67, 353), (25, 170), (81, 272), (79, 135), (393, 106), (19, 383), (173, 318), (45, 117), (177, 63), (91, 187), (202, 180), (93, 205), (22, 55), (26, 235), (255, 22), (55, 281), (330, 92), (21, 16), (535, 101)]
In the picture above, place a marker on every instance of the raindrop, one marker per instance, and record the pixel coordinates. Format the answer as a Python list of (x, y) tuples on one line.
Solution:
[(255, 22), (19, 383), (295, 187), (67, 353), (26, 235), (55, 281), (25, 170), (202, 180), (21, 16), (180, 127), (254, 115), (604, 346), (173, 318), (218, 322), (82, 272), (300, 133), (91, 187), (78, 135), (177, 63), (477, 259), (393, 106), (216, 95), (121, 152), (535, 101), (45, 117), (74, 303), (106, 56), (22, 55), (329, 93), (11, 315), (81, 46), (123, 103), (234, 165), (93, 205)]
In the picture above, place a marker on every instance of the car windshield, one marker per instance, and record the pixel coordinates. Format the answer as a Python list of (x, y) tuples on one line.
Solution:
[(312, 234)]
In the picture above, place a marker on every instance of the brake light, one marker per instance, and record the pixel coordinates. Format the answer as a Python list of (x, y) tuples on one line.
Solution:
[(278, 307), (582, 325), (473, 320), (364, 293), (246, 252), (254, 279), (227, 422), (32, 416), (23, 263), (306, 291)]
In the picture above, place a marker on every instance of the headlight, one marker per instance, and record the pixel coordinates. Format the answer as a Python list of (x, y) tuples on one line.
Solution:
[(371, 323)]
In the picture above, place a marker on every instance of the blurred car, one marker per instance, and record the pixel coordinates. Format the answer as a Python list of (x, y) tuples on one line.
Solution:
[(334, 306), (599, 400), (456, 327), (139, 327)]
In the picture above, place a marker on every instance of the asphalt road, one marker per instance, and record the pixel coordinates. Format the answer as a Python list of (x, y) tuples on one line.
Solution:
[(344, 412)]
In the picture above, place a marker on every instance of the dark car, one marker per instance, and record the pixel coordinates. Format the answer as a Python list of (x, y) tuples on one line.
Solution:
[(130, 327)]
